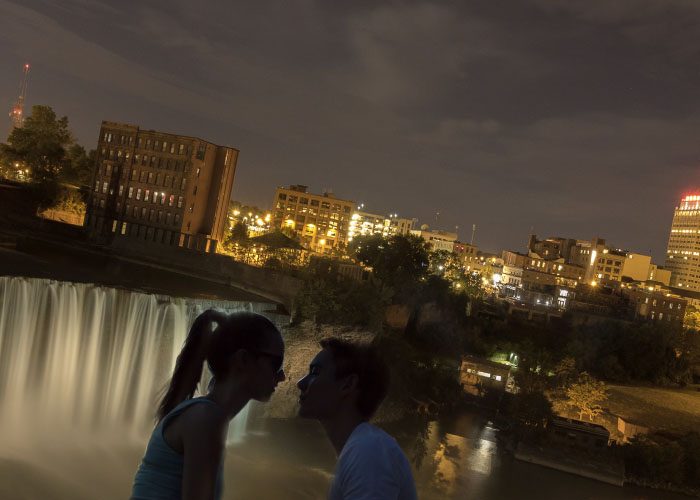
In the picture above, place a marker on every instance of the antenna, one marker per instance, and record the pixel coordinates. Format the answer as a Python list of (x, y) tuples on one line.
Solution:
[(17, 111), (471, 242)]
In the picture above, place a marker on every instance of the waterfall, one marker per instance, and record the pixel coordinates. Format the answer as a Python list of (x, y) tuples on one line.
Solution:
[(79, 358)]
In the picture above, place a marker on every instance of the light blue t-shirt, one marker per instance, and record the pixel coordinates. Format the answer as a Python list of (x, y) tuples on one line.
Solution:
[(159, 476), (372, 466)]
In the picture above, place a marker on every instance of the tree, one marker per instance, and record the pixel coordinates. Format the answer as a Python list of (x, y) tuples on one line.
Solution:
[(564, 370), (691, 320), (398, 260), (78, 165), (531, 411), (586, 394), (40, 144)]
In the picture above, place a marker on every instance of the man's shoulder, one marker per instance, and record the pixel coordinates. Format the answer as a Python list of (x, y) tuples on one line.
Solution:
[(370, 439)]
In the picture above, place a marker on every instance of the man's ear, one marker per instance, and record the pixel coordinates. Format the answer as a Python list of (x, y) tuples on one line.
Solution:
[(350, 383)]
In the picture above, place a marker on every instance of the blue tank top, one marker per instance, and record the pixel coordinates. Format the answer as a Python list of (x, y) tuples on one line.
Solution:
[(159, 476)]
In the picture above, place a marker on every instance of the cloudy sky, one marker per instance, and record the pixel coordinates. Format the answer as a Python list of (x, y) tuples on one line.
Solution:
[(577, 118)]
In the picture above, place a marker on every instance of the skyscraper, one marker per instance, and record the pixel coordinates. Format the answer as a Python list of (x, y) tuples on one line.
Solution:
[(683, 254), (159, 188)]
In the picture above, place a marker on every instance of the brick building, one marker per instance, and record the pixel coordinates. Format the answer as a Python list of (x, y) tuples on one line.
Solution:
[(159, 188)]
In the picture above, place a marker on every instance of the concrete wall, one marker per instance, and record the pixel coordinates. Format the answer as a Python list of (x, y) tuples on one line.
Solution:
[(273, 285)]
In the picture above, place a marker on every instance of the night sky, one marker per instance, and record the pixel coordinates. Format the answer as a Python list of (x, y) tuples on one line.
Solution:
[(576, 117)]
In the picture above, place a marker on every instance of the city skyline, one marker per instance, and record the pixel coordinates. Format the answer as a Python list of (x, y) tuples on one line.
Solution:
[(572, 119)]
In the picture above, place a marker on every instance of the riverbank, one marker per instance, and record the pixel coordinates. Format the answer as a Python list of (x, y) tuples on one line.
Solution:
[(601, 468)]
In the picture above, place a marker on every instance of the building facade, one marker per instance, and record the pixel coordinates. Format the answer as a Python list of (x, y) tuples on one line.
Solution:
[(365, 224), (683, 252), (160, 188), (321, 221), (436, 239)]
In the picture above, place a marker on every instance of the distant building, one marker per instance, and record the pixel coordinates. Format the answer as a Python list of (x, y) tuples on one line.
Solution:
[(578, 434), (658, 304), (365, 224), (478, 373), (436, 239), (683, 253), (468, 255), (159, 188), (321, 221), (660, 275)]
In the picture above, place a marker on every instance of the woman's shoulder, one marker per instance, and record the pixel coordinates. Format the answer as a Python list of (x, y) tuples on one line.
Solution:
[(204, 416)]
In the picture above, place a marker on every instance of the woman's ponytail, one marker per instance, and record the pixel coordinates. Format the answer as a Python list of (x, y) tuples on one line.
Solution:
[(190, 361)]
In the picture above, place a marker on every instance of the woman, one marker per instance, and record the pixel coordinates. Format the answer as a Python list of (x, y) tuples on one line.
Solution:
[(184, 457)]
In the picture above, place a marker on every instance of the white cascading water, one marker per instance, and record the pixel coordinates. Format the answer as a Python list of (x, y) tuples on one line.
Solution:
[(82, 359)]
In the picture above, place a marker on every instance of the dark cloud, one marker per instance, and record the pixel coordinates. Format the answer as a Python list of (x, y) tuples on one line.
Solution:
[(573, 117)]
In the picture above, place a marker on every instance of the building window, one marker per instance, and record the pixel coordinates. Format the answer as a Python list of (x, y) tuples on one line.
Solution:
[(282, 196), (150, 177), (97, 186), (171, 201), (160, 217), (177, 218), (201, 149), (123, 227), (172, 148), (165, 147), (104, 187), (151, 214), (138, 194), (169, 217), (102, 203), (179, 202), (158, 177), (181, 149), (198, 171), (183, 183), (194, 191), (162, 198)]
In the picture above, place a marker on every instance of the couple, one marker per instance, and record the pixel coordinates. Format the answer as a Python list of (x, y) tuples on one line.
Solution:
[(345, 385)]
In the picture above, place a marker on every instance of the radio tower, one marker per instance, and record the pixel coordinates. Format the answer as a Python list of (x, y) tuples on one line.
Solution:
[(17, 111)]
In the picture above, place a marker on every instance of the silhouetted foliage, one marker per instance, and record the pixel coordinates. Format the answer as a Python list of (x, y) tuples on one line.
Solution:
[(40, 144)]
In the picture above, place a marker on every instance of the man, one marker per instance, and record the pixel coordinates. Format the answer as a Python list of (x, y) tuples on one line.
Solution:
[(345, 385)]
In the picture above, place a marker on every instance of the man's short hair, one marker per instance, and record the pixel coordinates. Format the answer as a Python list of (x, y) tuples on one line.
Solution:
[(363, 360)]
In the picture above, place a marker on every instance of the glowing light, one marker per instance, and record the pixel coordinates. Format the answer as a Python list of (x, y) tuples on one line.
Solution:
[(267, 218), (321, 242), (236, 213), (594, 283)]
